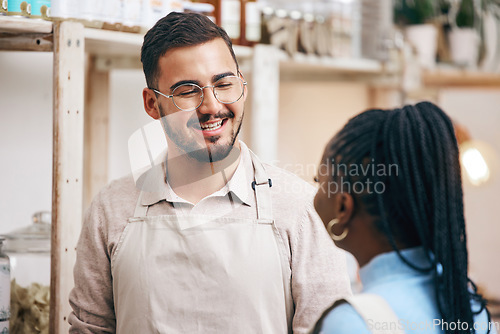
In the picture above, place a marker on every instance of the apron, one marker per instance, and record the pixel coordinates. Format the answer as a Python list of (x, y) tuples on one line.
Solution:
[(202, 274)]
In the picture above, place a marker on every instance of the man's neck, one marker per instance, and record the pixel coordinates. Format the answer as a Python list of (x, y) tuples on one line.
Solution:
[(193, 180)]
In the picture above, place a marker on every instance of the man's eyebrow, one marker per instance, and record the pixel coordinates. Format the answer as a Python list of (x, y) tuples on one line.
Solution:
[(196, 82), (183, 82), (222, 75)]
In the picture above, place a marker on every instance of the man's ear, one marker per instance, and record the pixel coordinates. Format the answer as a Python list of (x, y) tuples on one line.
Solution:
[(345, 208), (151, 103)]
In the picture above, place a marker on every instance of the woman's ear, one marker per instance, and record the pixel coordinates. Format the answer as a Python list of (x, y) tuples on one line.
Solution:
[(151, 103), (345, 208)]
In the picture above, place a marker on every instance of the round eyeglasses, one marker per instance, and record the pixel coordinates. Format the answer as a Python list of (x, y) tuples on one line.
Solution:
[(188, 97)]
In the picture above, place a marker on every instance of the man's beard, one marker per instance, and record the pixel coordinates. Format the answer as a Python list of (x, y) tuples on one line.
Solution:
[(188, 142)]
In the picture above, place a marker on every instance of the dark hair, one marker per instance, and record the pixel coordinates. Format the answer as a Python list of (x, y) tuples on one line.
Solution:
[(177, 30), (423, 203)]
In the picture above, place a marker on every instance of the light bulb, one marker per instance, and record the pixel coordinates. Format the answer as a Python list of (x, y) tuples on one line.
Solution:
[(479, 161), (475, 166)]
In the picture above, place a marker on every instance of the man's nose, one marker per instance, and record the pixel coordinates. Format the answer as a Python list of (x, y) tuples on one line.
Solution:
[(209, 105)]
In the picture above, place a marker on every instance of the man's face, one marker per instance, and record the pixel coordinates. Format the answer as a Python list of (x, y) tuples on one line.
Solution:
[(209, 132)]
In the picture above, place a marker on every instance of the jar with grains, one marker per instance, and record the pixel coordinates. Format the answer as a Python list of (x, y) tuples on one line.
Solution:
[(29, 252), (4, 290)]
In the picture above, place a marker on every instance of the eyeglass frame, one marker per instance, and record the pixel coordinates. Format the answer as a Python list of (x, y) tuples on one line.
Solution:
[(202, 92)]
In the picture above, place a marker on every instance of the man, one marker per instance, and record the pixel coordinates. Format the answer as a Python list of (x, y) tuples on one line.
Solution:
[(211, 240)]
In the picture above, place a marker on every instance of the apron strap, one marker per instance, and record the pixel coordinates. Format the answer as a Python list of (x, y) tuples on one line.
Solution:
[(261, 187), (140, 210), (375, 309), (372, 308)]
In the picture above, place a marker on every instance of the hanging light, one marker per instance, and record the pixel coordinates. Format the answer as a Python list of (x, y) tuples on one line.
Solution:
[(475, 165), (477, 158)]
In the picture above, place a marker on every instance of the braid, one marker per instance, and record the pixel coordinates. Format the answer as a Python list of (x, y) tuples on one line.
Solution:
[(455, 297), (423, 205), (398, 201)]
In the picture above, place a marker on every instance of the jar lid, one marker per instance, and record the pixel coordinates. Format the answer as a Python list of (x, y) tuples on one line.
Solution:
[(34, 238)]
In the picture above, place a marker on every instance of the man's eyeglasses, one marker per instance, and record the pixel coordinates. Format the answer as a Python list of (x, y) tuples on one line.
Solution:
[(188, 97)]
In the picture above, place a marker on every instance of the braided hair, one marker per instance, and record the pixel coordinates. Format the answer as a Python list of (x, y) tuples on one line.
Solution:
[(423, 203)]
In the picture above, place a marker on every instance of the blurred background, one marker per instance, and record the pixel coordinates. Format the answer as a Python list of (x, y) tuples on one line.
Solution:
[(311, 65)]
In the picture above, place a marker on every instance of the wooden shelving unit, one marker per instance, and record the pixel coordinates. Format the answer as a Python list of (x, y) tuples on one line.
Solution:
[(21, 25), (66, 41)]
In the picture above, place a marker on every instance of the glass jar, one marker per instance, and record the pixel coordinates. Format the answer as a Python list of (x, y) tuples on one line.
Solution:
[(29, 251)]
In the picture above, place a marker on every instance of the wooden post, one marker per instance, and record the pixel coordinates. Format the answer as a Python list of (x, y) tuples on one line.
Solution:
[(96, 131), (67, 166)]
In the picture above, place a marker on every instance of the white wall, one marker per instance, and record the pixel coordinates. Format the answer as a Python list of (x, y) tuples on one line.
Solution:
[(25, 137), (311, 112), (26, 132), (126, 116)]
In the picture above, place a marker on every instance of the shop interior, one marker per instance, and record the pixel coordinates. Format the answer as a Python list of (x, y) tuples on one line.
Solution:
[(70, 95)]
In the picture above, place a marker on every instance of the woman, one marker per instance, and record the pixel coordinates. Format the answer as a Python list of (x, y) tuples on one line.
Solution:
[(391, 194)]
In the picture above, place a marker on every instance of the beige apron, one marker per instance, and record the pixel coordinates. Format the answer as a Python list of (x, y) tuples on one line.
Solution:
[(202, 274)]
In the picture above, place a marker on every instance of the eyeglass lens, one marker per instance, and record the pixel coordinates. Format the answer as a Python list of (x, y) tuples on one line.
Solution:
[(227, 90)]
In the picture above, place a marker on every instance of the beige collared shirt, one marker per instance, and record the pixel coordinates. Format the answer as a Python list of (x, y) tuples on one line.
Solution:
[(319, 274), (236, 192)]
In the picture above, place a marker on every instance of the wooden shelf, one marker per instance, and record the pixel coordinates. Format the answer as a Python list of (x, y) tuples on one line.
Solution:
[(108, 43), (459, 78), (115, 43), (15, 24), (301, 62), (100, 42), (112, 43)]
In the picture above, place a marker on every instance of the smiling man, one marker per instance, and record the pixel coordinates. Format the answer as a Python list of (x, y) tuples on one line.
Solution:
[(217, 242)]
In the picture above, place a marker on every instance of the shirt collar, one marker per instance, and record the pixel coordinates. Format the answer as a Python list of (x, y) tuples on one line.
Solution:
[(155, 187), (389, 266)]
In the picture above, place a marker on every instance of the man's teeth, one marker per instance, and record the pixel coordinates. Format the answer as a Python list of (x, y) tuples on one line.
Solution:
[(211, 126)]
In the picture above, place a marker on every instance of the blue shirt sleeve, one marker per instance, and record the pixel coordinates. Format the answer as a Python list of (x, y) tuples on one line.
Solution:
[(344, 319)]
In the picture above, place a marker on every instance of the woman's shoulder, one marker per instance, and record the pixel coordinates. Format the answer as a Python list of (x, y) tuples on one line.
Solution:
[(345, 319)]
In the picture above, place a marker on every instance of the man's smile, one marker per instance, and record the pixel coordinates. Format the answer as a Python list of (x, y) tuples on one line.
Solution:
[(212, 128)]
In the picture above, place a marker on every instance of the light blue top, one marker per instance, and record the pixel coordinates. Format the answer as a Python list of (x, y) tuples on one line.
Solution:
[(410, 294)]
